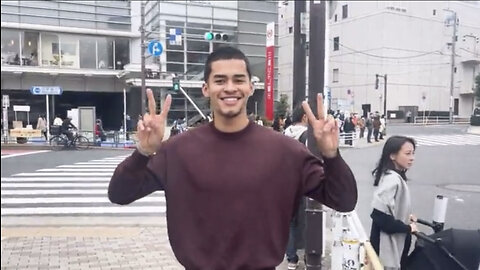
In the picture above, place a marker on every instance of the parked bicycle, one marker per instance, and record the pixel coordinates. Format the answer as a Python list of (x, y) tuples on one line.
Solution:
[(61, 141)]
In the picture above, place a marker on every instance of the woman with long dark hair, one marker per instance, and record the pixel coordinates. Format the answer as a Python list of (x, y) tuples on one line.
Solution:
[(392, 221)]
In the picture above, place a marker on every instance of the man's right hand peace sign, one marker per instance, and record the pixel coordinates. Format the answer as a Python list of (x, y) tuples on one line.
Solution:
[(151, 128)]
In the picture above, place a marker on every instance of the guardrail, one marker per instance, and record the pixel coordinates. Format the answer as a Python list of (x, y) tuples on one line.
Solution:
[(348, 139), (351, 248), (436, 120)]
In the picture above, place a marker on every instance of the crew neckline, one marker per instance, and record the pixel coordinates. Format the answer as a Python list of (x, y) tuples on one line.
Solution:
[(230, 135)]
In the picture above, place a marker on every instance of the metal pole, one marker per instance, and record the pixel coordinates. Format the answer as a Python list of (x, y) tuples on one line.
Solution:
[(385, 97), (5, 124), (125, 114), (48, 118), (142, 52), (314, 212), (193, 103), (454, 37), (299, 59)]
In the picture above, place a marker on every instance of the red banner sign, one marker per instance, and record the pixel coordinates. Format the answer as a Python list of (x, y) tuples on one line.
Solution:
[(269, 68)]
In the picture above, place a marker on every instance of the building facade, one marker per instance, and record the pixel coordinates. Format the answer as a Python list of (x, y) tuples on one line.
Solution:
[(411, 43), (92, 50)]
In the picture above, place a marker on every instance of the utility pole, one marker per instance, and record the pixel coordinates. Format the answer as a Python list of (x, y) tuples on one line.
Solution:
[(316, 69), (299, 58), (452, 72), (142, 52), (384, 92)]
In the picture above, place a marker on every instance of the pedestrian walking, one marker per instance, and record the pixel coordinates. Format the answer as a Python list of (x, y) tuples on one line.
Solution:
[(392, 219), (361, 126), (376, 127), (369, 125), (226, 207), (298, 131), (42, 125)]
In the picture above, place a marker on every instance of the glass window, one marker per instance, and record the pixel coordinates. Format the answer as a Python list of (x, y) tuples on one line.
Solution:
[(69, 51), (198, 46), (197, 58), (30, 48), (336, 43), (344, 11), (175, 56), (335, 75), (50, 50), (105, 53), (195, 72), (10, 47), (175, 68), (122, 52), (87, 52)]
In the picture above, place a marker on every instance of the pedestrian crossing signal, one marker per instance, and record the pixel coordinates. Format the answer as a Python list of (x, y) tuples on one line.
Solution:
[(176, 84)]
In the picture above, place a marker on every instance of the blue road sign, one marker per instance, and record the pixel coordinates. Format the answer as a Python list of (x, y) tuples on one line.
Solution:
[(155, 48), (46, 90)]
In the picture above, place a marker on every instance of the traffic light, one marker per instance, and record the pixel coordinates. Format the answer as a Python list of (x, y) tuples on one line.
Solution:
[(376, 81), (210, 36), (176, 84)]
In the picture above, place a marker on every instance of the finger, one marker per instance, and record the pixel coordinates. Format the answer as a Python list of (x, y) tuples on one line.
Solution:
[(152, 107), (308, 112), (140, 126), (166, 106), (321, 113)]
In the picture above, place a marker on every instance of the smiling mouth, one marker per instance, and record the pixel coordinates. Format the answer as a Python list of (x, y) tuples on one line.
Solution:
[(230, 98)]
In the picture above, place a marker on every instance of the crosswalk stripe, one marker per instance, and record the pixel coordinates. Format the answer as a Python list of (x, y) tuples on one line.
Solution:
[(72, 200), (55, 185), (83, 210), (448, 139), (106, 161), (53, 179), (64, 174), (87, 166), (77, 170), (96, 163), (24, 192)]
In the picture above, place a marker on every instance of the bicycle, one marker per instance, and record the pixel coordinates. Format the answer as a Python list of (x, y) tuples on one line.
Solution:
[(61, 141)]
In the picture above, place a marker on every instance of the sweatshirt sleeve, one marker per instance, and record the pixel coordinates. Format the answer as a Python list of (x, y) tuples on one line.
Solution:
[(330, 182), (133, 180), (388, 224)]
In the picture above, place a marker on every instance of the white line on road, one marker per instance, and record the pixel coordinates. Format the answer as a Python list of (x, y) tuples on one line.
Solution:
[(26, 153), (96, 163), (106, 161), (53, 179), (88, 166), (83, 210), (60, 192), (54, 185), (77, 170), (72, 200), (64, 174)]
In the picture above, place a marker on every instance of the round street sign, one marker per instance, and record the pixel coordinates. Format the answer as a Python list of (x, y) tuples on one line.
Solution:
[(155, 48)]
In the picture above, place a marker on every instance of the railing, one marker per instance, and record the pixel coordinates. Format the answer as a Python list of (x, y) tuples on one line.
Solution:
[(351, 248), (348, 139), (436, 120)]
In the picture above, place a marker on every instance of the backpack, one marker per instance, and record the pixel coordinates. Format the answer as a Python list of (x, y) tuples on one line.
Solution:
[(303, 137)]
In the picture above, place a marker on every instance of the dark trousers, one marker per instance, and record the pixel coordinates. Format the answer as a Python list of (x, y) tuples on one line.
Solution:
[(369, 134), (375, 134), (362, 132)]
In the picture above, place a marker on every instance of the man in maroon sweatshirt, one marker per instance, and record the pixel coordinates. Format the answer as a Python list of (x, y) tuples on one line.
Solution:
[(232, 186)]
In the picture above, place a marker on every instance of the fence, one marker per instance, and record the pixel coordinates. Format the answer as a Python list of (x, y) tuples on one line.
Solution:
[(436, 120), (348, 139), (351, 248)]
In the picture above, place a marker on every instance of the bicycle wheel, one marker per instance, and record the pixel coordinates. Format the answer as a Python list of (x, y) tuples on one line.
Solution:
[(81, 143), (57, 143)]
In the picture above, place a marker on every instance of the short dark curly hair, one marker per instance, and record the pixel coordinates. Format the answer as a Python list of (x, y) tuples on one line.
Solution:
[(225, 53)]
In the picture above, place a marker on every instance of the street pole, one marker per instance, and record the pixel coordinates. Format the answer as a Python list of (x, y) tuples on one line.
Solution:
[(142, 52), (385, 97), (48, 117), (316, 63), (299, 58), (454, 39)]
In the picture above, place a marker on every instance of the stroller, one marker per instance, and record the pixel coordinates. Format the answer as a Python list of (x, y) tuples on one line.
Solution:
[(449, 249)]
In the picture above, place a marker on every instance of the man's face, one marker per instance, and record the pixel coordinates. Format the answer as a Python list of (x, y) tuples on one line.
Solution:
[(228, 88)]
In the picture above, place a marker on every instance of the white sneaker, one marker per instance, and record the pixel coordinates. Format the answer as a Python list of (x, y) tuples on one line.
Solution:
[(292, 265)]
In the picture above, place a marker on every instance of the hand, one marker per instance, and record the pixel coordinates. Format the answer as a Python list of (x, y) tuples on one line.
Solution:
[(151, 129), (413, 228), (325, 131), (413, 218)]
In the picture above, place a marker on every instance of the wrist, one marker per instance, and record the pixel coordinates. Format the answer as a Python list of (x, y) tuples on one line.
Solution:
[(330, 154), (144, 152)]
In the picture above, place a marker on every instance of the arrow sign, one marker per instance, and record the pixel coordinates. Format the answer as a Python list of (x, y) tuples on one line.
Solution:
[(46, 90), (155, 48)]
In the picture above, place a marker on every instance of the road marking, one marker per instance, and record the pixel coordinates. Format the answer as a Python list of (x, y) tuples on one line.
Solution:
[(77, 170), (54, 185), (82, 210), (73, 200), (54, 179), (64, 174), (26, 153), (87, 166)]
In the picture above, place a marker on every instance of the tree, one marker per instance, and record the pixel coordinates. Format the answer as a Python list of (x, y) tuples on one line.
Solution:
[(282, 106), (477, 89)]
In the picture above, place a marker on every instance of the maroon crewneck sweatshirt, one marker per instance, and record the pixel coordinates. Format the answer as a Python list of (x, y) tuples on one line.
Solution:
[(230, 196)]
